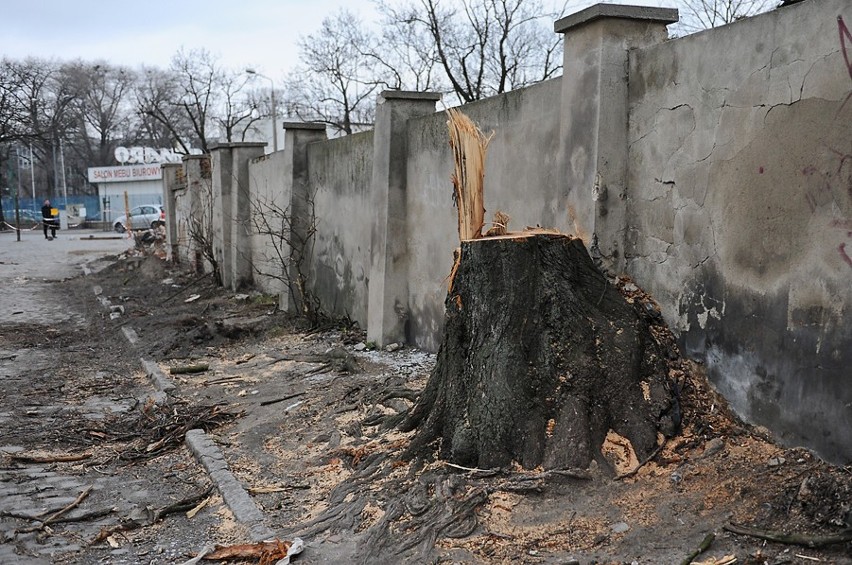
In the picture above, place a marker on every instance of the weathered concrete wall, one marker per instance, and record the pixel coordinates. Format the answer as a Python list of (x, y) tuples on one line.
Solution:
[(520, 180), (740, 212), (192, 195), (270, 180), (341, 173), (716, 169)]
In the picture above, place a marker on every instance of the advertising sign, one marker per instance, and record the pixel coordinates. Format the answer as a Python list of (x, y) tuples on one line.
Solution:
[(125, 173)]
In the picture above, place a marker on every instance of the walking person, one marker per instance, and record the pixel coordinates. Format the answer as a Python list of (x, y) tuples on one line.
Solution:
[(48, 221)]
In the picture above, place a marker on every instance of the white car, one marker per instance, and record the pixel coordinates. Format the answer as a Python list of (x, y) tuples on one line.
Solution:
[(142, 217)]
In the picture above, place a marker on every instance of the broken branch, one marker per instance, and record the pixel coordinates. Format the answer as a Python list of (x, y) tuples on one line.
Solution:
[(49, 458), (792, 539), (82, 496), (189, 369), (704, 546), (55, 516), (635, 470), (282, 399), (180, 506)]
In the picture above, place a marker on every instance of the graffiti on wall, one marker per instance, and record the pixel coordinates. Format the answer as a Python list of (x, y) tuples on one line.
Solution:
[(845, 43), (835, 185)]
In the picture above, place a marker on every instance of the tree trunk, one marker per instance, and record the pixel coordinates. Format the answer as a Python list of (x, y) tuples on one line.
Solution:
[(541, 357)]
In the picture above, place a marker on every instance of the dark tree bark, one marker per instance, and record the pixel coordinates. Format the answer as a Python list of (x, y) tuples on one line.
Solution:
[(541, 356)]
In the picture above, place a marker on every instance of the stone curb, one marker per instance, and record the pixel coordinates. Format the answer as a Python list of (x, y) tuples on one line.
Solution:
[(161, 382), (208, 454), (238, 500), (130, 334)]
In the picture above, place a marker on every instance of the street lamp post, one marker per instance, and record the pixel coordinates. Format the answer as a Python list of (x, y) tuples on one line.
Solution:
[(274, 110)]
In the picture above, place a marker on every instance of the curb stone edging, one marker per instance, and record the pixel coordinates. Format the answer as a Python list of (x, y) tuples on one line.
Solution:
[(238, 500), (130, 334), (161, 382)]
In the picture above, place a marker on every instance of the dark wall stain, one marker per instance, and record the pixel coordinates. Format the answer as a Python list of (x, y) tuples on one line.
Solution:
[(794, 380)]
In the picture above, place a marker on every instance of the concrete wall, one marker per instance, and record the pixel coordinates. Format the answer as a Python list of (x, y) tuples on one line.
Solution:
[(740, 212), (341, 172), (271, 190), (716, 169), (520, 180)]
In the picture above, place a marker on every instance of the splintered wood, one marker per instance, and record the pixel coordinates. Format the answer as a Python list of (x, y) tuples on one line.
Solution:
[(469, 145)]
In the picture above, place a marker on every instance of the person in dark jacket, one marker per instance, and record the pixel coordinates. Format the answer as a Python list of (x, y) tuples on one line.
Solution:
[(48, 221)]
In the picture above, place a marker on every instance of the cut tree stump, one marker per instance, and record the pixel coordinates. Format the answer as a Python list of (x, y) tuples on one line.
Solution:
[(541, 357)]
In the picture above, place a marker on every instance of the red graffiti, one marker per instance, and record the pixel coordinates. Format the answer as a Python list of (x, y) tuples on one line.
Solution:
[(845, 36), (842, 224), (842, 250)]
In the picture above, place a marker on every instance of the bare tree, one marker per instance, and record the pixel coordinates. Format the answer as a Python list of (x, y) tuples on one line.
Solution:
[(183, 99), (201, 226), (239, 107), (288, 249), (161, 119), (47, 101), (337, 78), (102, 109), (484, 47), (697, 15), (408, 59), (196, 101), (13, 106)]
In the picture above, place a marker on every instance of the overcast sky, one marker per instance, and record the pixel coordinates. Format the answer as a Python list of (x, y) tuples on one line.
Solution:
[(256, 33), (262, 34)]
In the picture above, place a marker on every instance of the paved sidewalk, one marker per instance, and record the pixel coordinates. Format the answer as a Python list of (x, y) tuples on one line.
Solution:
[(26, 264)]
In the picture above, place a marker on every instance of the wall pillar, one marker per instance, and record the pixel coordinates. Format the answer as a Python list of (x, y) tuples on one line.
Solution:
[(593, 131), (240, 267), (171, 172), (297, 137), (198, 181), (387, 307), (221, 213), (231, 210)]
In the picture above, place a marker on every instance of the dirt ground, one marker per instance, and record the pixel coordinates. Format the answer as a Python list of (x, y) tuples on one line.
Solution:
[(299, 415)]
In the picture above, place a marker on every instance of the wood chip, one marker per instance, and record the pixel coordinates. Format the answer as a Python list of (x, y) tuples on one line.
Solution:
[(197, 509)]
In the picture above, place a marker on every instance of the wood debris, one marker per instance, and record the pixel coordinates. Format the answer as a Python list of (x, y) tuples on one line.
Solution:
[(499, 225), (191, 513), (153, 516), (49, 458), (469, 145), (726, 560), (189, 369), (266, 551)]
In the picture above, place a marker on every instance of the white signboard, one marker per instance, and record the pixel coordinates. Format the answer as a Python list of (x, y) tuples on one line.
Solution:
[(140, 155), (126, 173)]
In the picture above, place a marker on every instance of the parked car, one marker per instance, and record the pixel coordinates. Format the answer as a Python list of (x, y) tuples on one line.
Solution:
[(142, 217)]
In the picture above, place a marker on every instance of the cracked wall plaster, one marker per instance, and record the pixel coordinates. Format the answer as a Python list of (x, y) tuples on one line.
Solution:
[(755, 274)]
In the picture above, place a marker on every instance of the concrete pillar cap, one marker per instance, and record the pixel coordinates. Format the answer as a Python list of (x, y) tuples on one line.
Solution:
[(410, 95), (235, 144), (621, 11), (304, 125)]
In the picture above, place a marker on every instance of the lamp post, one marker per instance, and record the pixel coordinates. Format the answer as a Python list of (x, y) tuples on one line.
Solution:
[(274, 111)]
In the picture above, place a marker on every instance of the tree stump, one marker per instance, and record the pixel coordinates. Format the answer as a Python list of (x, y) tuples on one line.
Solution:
[(541, 357)]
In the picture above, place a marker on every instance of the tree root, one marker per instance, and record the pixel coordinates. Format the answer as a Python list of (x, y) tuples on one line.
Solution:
[(792, 539), (340, 514), (449, 512)]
